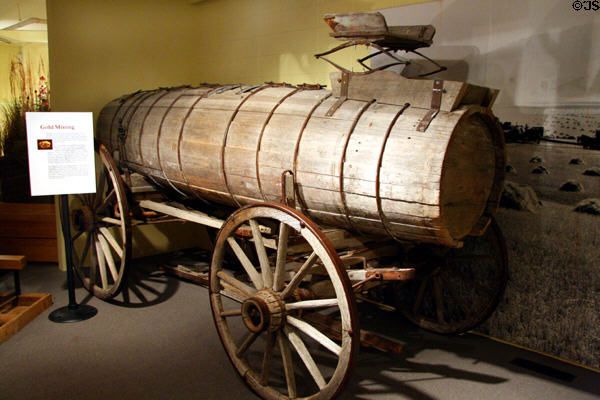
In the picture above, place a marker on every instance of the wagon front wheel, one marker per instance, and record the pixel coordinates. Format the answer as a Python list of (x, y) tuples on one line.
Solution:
[(281, 343), (102, 231)]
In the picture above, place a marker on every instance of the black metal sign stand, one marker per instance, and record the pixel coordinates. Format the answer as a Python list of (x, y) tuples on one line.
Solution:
[(73, 312)]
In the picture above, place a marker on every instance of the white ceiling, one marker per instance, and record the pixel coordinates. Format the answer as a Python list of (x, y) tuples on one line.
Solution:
[(23, 21)]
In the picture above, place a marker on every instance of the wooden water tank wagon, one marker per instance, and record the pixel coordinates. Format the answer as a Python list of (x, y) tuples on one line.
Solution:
[(329, 196)]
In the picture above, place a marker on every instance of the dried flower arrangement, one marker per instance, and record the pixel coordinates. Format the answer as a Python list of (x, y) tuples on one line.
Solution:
[(27, 95)]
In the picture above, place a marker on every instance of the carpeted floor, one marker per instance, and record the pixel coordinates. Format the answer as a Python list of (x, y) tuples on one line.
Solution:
[(159, 342)]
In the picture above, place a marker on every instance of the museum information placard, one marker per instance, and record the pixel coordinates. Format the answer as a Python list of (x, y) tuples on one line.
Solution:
[(61, 152)]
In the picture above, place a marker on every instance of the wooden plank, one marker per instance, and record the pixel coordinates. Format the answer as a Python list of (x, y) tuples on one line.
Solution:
[(33, 248), (392, 88), (29, 306), (14, 262), (188, 215)]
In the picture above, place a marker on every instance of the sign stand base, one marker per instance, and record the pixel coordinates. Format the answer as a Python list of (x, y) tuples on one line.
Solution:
[(79, 312)]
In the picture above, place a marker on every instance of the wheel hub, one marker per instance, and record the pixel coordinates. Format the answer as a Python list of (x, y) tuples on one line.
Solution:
[(84, 219), (263, 311)]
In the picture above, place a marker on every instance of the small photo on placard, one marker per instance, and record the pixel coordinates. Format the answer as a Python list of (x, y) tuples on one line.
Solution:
[(44, 144)]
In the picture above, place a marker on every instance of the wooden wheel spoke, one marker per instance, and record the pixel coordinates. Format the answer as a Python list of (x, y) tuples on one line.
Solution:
[(81, 199), (288, 364), (76, 236), (457, 298), (420, 295), (314, 333), (297, 279), (311, 304), (261, 251), (101, 263), (111, 221), (86, 247), (231, 313), (239, 285), (246, 263), (284, 231), (250, 338), (99, 190), (109, 258), (93, 259), (268, 356), (105, 201), (439, 301), (89, 198), (305, 356), (112, 241), (472, 282)]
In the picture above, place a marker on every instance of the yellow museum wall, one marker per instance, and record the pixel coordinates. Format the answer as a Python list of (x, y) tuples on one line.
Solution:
[(7, 53), (100, 50)]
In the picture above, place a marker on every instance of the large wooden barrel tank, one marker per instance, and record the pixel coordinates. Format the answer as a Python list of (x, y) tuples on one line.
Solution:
[(365, 168)]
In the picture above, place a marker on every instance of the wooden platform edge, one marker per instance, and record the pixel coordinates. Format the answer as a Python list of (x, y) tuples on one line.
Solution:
[(29, 306)]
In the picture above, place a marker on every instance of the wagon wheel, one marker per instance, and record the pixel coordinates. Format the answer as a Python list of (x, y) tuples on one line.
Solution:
[(264, 325), (102, 226), (456, 289)]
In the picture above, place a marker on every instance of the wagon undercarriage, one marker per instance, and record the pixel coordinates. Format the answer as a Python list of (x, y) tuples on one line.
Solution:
[(283, 291)]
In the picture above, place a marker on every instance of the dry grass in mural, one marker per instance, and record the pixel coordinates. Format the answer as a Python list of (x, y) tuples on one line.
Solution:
[(553, 294)]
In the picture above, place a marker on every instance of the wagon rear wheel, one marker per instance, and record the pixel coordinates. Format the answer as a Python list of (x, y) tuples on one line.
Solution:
[(268, 329), (456, 289), (102, 231)]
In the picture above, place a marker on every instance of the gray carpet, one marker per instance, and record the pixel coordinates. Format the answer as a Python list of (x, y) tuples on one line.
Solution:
[(160, 343)]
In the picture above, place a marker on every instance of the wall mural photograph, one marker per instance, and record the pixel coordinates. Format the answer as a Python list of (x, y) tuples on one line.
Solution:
[(546, 62)]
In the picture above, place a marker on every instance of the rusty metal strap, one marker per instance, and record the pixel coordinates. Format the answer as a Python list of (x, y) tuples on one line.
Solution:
[(343, 94), (436, 103)]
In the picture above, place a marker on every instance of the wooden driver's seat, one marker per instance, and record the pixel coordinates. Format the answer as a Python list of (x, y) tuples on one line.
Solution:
[(373, 28)]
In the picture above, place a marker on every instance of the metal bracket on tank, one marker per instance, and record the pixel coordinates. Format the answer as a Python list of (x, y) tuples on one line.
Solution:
[(288, 183), (436, 103), (345, 80)]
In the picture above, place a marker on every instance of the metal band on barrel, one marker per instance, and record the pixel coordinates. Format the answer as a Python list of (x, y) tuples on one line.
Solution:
[(237, 109), (162, 120), (297, 148), (122, 102), (135, 104), (382, 216), (262, 131), (144, 123), (351, 224)]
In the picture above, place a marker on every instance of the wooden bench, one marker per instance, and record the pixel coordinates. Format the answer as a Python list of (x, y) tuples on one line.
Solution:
[(15, 264), (17, 309)]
